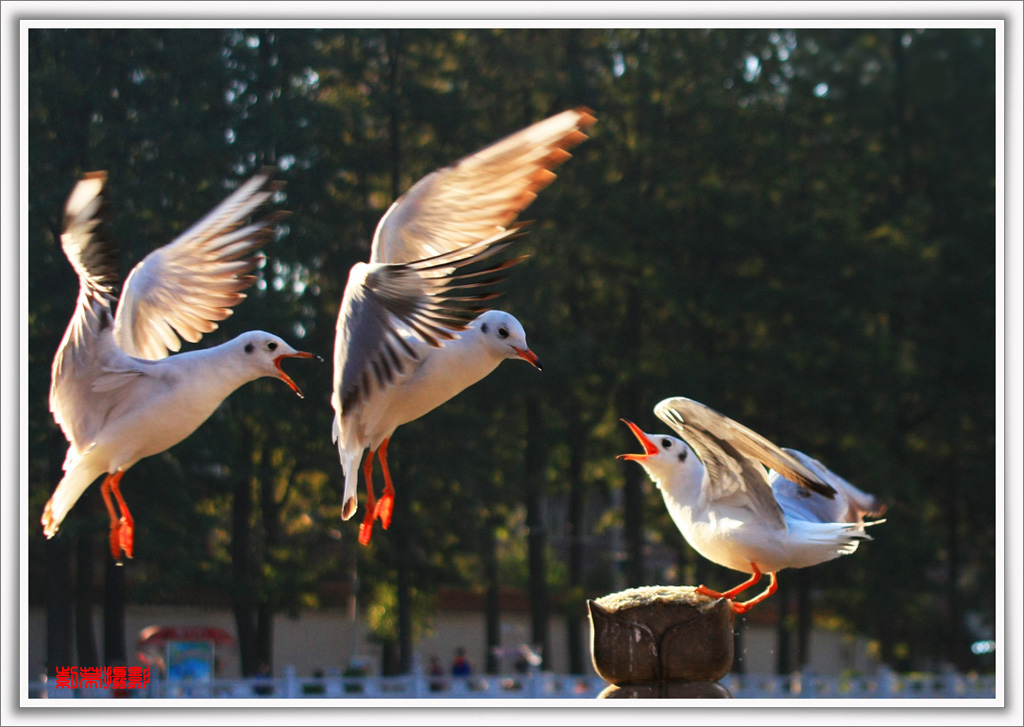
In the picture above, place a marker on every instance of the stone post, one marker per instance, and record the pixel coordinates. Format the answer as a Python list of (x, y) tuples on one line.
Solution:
[(661, 642)]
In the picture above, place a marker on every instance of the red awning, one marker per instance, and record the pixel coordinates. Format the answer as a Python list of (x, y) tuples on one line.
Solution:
[(158, 635)]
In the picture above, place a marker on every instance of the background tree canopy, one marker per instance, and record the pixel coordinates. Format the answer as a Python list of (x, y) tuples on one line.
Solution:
[(795, 227)]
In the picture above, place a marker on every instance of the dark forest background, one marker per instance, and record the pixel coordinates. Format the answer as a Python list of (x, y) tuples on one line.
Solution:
[(795, 227)]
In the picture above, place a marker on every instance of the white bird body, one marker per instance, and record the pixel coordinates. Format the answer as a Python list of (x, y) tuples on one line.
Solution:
[(116, 408), (738, 514), (145, 407), (406, 340), (438, 375)]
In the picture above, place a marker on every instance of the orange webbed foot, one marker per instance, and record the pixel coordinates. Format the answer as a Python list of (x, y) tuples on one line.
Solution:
[(115, 541), (127, 532), (366, 527), (705, 591), (385, 506)]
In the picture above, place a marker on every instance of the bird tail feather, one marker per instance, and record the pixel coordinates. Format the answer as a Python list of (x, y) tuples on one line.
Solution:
[(75, 481), (350, 466), (836, 538)]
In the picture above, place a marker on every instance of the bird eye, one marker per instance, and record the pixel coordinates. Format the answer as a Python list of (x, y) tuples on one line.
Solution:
[(248, 348), (503, 332), (272, 345), (666, 443)]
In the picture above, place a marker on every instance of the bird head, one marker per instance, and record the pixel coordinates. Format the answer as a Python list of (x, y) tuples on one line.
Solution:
[(504, 335), (266, 351), (666, 458)]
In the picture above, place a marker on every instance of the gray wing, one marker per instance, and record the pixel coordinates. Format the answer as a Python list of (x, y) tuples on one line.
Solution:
[(480, 195), (185, 287), (851, 504), (426, 299), (735, 458)]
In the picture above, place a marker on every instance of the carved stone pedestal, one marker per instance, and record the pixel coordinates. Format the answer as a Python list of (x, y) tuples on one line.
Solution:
[(661, 642)]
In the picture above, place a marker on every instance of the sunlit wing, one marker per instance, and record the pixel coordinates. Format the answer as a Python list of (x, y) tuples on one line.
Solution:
[(735, 457), (87, 346), (479, 196), (428, 299), (185, 287)]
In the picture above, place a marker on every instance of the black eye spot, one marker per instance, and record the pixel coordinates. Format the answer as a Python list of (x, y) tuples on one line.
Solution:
[(682, 456), (484, 328), (248, 348), (503, 332), (666, 443), (272, 345)]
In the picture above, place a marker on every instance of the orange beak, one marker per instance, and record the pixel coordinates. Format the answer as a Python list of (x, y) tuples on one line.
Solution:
[(528, 355), (649, 448), (285, 377)]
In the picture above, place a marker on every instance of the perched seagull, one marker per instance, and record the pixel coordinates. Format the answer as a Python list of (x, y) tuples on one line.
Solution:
[(115, 392), (409, 335), (736, 513)]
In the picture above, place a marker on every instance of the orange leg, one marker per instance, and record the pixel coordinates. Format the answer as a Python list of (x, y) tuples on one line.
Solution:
[(738, 589), (366, 528), (387, 500), (122, 530), (747, 605)]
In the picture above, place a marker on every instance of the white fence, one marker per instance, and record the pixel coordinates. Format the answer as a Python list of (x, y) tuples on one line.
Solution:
[(885, 685)]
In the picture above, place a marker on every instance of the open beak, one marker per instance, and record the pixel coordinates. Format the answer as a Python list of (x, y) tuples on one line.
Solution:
[(285, 377), (649, 448), (528, 355)]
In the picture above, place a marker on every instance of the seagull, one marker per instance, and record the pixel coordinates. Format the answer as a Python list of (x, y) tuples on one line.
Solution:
[(115, 392), (410, 334), (735, 512)]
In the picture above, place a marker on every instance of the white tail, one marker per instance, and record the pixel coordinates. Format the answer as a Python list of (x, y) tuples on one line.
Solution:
[(350, 466), (82, 474)]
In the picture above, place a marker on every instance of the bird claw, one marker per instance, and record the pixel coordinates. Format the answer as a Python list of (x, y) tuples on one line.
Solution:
[(705, 591), (122, 538), (127, 530), (383, 509), (366, 528)]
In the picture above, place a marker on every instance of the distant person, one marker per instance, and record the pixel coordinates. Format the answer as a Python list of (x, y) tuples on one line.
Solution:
[(461, 667), (436, 671), (264, 686)]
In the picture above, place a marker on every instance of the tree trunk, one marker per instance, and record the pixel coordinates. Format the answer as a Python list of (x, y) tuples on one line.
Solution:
[(492, 603), (783, 658), (270, 512), (393, 44), (404, 599), (241, 561), (59, 606), (805, 618), (576, 601), (115, 651), (633, 492), (85, 638), (533, 472), (740, 663)]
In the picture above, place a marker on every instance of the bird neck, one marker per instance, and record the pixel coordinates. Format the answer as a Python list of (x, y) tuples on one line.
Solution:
[(466, 360), (218, 370), (681, 489)]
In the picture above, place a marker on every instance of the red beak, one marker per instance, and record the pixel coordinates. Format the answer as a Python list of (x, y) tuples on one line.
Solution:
[(528, 355), (285, 377), (649, 448)]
